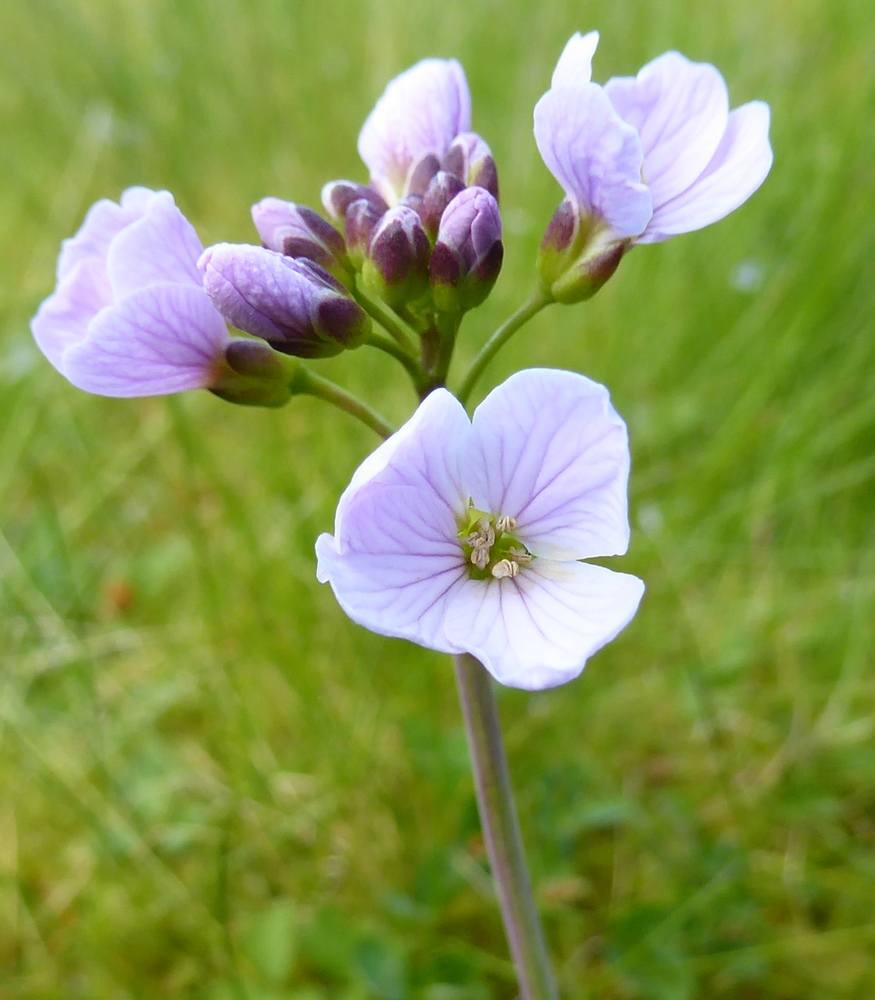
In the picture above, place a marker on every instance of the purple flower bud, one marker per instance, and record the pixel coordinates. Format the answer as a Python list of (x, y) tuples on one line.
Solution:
[(577, 255), (422, 174), (396, 268), (468, 254), (296, 306), (298, 231), (337, 196), (470, 159), (361, 219), (443, 188)]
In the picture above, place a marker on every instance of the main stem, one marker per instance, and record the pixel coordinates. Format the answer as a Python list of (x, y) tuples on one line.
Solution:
[(498, 339), (502, 832)]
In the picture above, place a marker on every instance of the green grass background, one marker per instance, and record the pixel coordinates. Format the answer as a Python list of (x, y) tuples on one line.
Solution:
[(213, 784)]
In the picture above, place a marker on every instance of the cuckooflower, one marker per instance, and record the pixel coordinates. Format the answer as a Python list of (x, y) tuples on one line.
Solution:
[(465, 535), (419, 115), (651, 156), (129, 316)]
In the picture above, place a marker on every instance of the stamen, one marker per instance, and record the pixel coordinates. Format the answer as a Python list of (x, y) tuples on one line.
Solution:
[(480, 556), (505, 568), (505, 523), (520, 556)]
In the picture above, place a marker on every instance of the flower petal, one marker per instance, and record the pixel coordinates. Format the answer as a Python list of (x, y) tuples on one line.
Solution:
[(554, 454), (739, 166), (161, 246), (162, 339), (421, 111), (575, 63), (539, 629), (680, 109), (594, 155), (395, 559), (64, 316)]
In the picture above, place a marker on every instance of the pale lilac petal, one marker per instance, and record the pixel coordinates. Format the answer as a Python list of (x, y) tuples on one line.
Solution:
[(64, 316), (103, 221), (395, 557), (161, 339), (575, 63), (680, 109), (421, 112), (594, 155), (160, 246), (538, 630), (739, 166), (554, 454)]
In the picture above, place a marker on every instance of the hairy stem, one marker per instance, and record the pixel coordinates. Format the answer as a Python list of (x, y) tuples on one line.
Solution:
[(498, 339), (501, 830), (309, 383)]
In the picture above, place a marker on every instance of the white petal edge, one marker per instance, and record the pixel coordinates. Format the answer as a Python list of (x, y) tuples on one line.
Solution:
[(740, 165), (539, 630), (575, 63)]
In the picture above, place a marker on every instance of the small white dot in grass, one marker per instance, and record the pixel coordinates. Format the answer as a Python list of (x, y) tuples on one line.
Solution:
[(650, 519), (747, 276)]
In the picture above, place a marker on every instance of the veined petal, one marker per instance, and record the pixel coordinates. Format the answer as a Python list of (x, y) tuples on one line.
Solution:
[(740, 165), (395, 559), (554, 454), (103, 221), (680, 110), (162, 339), (64, 316), (421, 112), (162, 246), (575, 63), (594, 155), (538, 630)]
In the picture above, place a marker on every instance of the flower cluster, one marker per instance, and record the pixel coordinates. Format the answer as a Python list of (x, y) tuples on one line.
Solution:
[(463, 536)]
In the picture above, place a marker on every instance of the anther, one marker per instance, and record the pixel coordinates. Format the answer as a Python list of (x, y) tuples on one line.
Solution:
[(505, 523), (480, 556), (505, 568)]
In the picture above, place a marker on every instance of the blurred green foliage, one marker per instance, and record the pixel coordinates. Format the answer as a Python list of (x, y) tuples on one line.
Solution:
[(214, 785)]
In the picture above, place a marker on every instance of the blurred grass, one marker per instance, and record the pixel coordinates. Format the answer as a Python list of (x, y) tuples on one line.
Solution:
[(214, 785)]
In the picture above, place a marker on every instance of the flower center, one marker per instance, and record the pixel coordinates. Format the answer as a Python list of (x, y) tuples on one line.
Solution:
[(491, 549)]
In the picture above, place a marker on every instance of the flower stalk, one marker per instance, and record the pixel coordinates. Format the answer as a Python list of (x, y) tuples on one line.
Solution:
[(308, 383), (501, 830)]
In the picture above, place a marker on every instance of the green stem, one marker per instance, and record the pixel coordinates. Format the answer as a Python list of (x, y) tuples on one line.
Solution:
[(309, 383), (501, 830), (498, 339), (388, 319), (390, 347)]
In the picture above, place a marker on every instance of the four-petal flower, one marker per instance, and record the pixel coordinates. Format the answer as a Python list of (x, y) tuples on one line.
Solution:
[(465, 535)]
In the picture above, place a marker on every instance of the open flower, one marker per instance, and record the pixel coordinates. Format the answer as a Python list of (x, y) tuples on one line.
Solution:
[(418, 116), (465, 535), (129, 316), (650, 156)]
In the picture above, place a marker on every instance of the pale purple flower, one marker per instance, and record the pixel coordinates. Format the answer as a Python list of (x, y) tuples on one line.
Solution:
[(465, 535), (298, 231), (419, 115), (655, 155), (129, 316)]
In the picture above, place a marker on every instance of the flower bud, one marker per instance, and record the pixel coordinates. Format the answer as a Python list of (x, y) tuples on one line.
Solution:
[(577, 255), (337, 196), (361, 219), (440, 192), (396, 268), (422, 173), (470, 159), (254, 375), (295, 305), (467, 256), (298, 231)]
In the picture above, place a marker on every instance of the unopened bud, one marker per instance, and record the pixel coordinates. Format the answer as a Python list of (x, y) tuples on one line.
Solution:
[(468, 253), (295, 305), (443, 188), (298, 231), (577, 255), (470, 159), (422, 173), (362, 218), (254, 375), (337, 196), (396, 268)]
